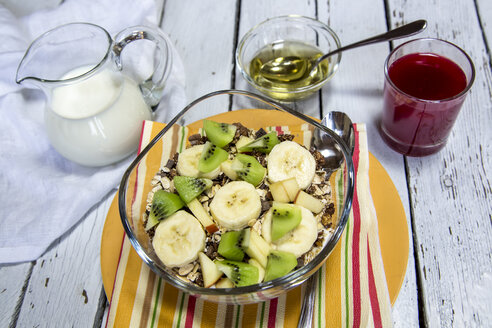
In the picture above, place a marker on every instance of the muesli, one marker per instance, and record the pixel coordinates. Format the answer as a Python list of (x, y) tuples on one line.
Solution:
[(239, 207)]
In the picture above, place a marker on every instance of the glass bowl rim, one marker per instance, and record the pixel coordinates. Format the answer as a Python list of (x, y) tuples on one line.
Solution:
[(300, 18), (290, 280)]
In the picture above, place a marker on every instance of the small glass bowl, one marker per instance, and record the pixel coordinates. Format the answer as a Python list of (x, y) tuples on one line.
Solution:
[(136, 183), (291, 28)]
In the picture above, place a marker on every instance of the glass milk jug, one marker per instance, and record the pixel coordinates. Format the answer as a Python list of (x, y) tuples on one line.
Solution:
[(94, 112)]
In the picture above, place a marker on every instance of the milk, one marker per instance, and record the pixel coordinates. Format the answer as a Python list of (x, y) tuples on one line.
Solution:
[(96, 121)]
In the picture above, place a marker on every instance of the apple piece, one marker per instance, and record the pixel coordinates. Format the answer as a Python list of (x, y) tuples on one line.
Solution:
[(291, 187), (224, 283), (210, 272), (263, 245), (261, 269), (279, 193), (307, 201), (243, 141), (255, 246), (226, 167), (201, 214)]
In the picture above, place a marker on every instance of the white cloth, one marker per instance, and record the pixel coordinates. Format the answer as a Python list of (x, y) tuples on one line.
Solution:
[(42, 195)]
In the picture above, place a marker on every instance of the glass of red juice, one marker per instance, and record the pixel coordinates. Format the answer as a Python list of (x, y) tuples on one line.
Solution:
[(426, 82)]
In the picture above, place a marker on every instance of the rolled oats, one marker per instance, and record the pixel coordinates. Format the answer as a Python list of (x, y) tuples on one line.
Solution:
[(326, 189), (184, 270), (166, 183)]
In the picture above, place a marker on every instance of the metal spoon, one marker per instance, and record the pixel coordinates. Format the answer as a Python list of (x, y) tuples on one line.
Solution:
[(341, 124), (293, 68)]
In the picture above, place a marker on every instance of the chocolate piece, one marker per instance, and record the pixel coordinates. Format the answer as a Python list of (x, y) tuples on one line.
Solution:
[(194, 137), (265, 205), (197, 139), (260, 133), (300, 262), (170, 164)]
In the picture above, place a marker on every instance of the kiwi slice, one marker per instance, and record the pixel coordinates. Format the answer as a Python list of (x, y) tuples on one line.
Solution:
[(229, 246), (241, 274), (212, 156), (279, 264), (220, 134), (285, 218), (189, 188), (248, 169), (263, 144), (163, 205)]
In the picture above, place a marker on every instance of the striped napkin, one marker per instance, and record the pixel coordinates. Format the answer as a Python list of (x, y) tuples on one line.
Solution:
[(351, 290)]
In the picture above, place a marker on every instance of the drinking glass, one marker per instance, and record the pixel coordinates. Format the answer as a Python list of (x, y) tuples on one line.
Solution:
[(426, 83)]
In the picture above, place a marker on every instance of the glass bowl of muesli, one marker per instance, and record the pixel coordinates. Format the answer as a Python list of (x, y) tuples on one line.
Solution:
[(240, 206)]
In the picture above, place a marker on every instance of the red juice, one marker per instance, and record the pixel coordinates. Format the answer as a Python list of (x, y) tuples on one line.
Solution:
[(418, 113)]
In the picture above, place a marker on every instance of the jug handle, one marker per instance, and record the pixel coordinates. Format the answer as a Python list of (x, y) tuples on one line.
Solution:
[(153, 87)]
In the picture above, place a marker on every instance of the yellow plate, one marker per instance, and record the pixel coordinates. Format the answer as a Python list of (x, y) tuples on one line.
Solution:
[(392, 223)]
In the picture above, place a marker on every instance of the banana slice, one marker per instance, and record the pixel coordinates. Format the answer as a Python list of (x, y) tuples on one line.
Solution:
[(298, 241), (188, 164), (289, 159), (235, 204), (178, 239)]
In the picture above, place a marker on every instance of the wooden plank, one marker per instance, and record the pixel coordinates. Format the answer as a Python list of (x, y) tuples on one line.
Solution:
[(203, 33), (357, 89), (65, 286), (14, 279), (484, 8), (450, 191)]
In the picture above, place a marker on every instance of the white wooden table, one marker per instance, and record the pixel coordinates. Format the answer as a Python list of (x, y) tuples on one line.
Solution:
[(447, 196)]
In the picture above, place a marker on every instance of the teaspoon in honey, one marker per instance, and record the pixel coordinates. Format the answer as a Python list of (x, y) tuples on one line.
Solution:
[(293, 68)]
